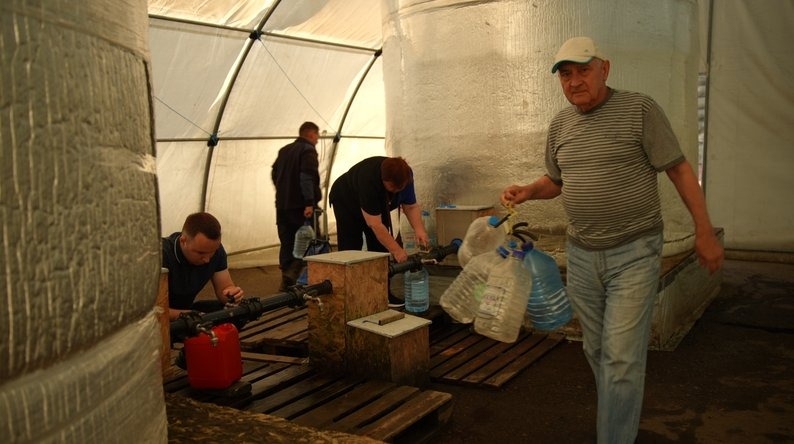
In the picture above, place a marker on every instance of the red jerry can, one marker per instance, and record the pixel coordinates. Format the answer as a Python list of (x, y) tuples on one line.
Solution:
[(214, 362)]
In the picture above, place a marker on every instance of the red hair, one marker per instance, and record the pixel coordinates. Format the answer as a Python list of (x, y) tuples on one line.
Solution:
[(396, 171)]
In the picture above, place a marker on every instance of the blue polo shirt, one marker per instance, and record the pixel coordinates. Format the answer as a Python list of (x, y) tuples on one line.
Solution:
[(186, 280)]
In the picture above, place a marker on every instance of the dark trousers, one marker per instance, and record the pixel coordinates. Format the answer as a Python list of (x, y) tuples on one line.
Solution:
[(288, 222), (350, 226)]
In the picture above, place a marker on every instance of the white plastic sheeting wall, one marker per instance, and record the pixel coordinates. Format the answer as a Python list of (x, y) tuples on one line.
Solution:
[(311, 61), (470, 93), (750, 126)]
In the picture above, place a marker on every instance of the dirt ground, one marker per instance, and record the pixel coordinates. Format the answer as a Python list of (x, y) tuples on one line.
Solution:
[(730, 380)]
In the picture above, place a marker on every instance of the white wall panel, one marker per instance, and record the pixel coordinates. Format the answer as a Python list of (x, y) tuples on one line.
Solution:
[(750, 130)]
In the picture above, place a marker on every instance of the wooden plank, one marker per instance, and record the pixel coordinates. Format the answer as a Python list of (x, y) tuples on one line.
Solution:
[(315, 399), (442, 339), (264, 372), (287, 376), (297, 320), (482, 345), (524, 361), (288, 394), (457, 348), (412, 411), (286, 331), (324, 415), (373, 410), (265, 357), (250, 332), (507, 354), (266, 321), (496, 352)]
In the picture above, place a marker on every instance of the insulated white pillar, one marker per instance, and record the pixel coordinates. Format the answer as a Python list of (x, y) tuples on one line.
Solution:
[(79, 235)]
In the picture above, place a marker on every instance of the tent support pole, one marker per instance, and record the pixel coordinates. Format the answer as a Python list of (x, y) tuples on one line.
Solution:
[(338, 137), (214, 138)]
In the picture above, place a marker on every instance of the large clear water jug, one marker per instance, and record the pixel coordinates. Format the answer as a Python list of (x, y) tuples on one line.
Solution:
[(417, 290), (504, 301), (482, 236), (303, 237), (463, 296)]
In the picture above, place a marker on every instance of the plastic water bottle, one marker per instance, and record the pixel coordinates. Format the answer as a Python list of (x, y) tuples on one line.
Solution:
[(463, 296), (430, 227), (548, 306), (504, 301), (408, 236), (303, 236), (482, 236), (417, 291)]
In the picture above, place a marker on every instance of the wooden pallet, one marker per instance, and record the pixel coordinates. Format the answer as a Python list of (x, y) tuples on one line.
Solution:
[(458, 355), (283, 332), (296, 392)]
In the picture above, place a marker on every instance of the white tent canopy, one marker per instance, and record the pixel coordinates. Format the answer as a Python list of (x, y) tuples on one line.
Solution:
[(233, 80)]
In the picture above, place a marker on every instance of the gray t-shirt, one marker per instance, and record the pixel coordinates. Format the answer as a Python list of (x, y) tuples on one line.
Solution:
[(607, 161)]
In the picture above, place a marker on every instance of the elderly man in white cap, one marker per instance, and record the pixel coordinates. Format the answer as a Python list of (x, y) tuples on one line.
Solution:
[(603, 155)]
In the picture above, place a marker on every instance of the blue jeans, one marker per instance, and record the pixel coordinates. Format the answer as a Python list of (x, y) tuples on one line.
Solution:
[(612, 293)]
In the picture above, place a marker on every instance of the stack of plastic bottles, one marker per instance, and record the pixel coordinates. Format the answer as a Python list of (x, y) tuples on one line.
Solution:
[(501, 281)]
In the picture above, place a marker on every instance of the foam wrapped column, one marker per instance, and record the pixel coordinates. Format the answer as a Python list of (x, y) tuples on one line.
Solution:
[(79, 257), (469, 90)]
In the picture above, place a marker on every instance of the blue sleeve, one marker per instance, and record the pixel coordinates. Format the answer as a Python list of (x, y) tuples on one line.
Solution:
[(407, 195)]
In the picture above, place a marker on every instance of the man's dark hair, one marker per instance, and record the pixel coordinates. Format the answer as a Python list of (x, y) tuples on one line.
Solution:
[(307, 127), (396, 171), (203, 223)]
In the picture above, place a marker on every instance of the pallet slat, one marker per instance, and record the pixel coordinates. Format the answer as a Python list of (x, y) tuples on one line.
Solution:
[(499, 357), (324, 415), (472, 359), (373, 410), (412, 411), (523, 362), (315, 399)]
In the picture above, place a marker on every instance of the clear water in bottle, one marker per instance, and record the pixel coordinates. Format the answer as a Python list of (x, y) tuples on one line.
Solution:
[(504, 301), (430, 228), (417, 291), (463, 296), (408, 236), (303, 237), (548, 306)]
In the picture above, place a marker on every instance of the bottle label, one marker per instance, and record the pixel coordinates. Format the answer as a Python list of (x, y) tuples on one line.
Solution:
[(494, 295)]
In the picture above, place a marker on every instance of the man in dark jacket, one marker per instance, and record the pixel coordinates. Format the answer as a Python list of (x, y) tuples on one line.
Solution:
[(297, 179)]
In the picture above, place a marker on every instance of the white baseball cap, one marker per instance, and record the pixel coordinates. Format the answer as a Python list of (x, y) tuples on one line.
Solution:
[(577, 50)]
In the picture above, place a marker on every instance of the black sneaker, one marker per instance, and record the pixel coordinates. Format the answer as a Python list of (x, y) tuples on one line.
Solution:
[(395, 302)]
